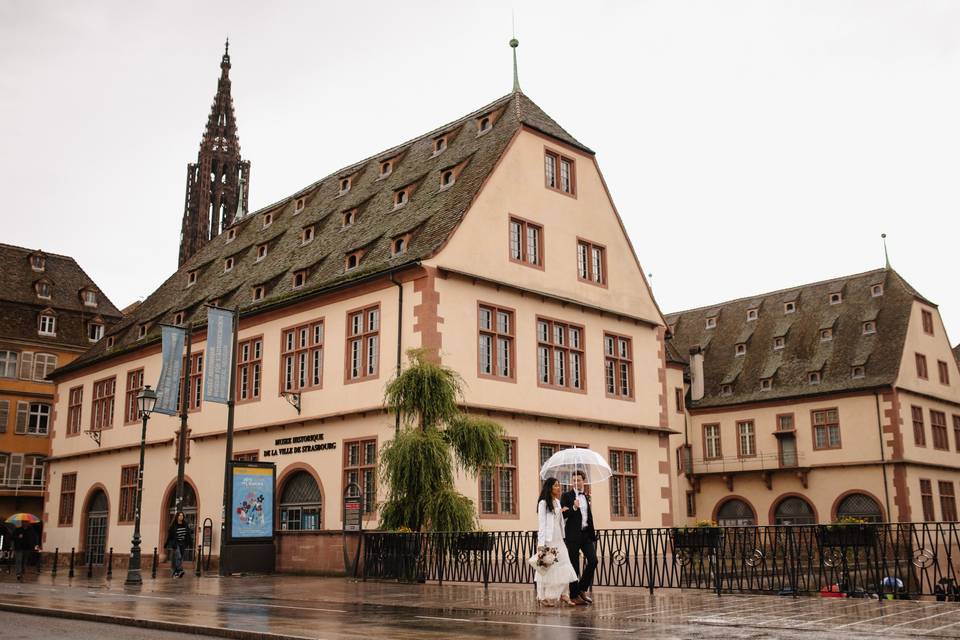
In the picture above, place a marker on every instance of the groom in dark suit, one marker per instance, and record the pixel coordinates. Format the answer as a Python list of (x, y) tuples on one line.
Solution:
[(580, 536)]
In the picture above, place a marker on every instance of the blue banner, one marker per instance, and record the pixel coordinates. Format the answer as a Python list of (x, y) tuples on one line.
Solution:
[(252, 513), (219, 360), (168, 388)]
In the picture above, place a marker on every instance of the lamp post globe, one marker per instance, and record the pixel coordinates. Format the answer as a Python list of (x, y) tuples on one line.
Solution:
[(146, 401)]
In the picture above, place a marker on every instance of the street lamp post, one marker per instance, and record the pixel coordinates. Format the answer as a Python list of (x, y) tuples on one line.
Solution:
[(145, 401)]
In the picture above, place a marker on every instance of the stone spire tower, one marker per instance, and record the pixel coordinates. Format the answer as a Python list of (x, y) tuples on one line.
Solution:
[(214, 193)]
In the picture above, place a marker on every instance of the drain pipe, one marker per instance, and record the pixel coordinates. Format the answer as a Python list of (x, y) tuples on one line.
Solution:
[(883, 458), (399, 335)]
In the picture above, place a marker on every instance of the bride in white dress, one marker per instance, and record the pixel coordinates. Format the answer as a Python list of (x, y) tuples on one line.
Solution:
[(553, 582)]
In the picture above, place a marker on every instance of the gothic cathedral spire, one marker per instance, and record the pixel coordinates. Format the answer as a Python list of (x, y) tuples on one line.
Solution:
[(214, 194)]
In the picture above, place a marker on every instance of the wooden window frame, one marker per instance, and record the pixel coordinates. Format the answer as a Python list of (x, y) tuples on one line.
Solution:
[(956, 431), (195, 386), (566, 350), (525, 226), (127, 505), (623, 475), (919, 430), (249, 375), (691, 503), (943, 370), (793, 423), (813, 429), (496, 336), (68, 499), (706, 450), (370, 498), (363, 338), (590, 278), (926, 320), (513, 469), (557, 159), (926, 500), (295, 353), (679, 398), (948, 500), (922, 371), (938, 430), (753, 426), (50, 320), (106, 420), (130, 405), (617, 360), (74, 410)]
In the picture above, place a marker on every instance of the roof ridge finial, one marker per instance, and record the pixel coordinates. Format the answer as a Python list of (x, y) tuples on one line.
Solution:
[(239, 213), (226, 47), (514, 43), (886, 255)]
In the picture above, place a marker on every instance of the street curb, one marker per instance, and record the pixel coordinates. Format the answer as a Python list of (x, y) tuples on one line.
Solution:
[(160, 625)]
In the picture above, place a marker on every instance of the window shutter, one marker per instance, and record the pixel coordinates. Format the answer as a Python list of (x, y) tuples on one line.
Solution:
[(23, 411), (15, 476), (4, 414), (26, 365)]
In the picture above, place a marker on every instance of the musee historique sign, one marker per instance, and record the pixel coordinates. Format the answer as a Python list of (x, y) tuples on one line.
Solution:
[(298, 444)]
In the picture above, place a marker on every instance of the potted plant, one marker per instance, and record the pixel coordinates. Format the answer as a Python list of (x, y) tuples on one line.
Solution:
[(702, 535), (848, 532)]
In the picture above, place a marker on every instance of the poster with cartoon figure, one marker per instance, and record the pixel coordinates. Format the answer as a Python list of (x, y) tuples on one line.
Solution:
[(252, 502)]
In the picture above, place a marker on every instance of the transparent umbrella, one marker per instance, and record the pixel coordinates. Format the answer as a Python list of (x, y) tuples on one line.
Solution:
[(564, 463)]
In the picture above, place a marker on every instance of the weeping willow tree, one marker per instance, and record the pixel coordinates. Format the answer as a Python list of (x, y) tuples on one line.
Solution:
[(435, 440)]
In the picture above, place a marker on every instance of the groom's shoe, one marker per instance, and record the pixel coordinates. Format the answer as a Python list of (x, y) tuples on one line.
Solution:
[(587, 599)]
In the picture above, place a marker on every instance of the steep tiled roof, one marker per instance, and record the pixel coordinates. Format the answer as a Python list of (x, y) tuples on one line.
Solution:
[(430, 215), (20, 305), (804, 349), (956, 352)]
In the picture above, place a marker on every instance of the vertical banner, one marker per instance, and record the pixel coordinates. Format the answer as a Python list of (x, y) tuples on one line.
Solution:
[(168, 388), (252, 497), (216, 376)]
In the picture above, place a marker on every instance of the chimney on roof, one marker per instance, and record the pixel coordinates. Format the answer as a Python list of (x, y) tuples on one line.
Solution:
[(696, 373)]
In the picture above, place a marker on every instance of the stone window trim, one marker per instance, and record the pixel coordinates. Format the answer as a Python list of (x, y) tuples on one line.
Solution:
[(131, 407), (621, 360), (267, 219), (42, 289), (249, 375), (501, 343), (126, 510), (922, 371), (525, 242), (363, 466), (591, 262), (938, 429), (302, 356), (826, 424), (564, 351), (926, 317), (746, 428), (362, 352), (103, 403), (919, 430), (195, 386), (38, 261), (622, 508), (560, 172), (74, 411), (712, 441), (926, 500), (68, 494), (943, 370), (835, 297), (509, 466)]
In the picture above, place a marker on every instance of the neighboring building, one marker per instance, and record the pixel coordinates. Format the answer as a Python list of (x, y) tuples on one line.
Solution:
[(50, 313), (491, 242), (839, 398), (216, 182)]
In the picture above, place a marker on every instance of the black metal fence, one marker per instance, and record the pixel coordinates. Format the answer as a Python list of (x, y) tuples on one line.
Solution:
[(899, 560)]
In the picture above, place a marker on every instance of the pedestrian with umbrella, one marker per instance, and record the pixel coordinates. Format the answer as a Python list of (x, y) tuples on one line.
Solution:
[(578, 468), (24, 540)]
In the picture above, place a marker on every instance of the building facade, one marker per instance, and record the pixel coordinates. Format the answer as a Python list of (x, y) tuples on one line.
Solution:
[(807, 405), (51, 313), (491, 242)]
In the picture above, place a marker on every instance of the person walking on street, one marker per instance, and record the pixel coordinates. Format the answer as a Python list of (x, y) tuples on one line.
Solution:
[(552, 576), (24, 541), (179, 539), (580, 536)]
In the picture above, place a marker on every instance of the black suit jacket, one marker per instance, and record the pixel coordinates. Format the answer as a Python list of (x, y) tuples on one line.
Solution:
[(574, 531)]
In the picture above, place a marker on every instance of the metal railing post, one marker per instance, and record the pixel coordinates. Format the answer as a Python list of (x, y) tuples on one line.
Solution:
[(651, 560), (72, 554), (153, 571), (56, 558), (110, 564)]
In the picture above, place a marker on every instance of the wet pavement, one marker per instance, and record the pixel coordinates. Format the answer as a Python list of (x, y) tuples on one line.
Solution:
[(334, 608)]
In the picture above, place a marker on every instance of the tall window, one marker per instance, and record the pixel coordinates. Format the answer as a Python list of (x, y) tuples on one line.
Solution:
[(938, 426), (559, 173), (131, 408), (48, 324), (195, 386), (591, 262), (496, 342), (43, 365), (300, 503), (826, 429), (618, 366), (249, 366), (956, 432), (498, 485), (926, 499), (948, 502), (101, 414), (74, 407), (128, 493), (4, 415), (944, 372), (302, 356), (33, 418), (359, 467), (922, 366), (623, 484), (747, 439), (526, 242), (919, 433), (363, 343), (711, 442), (8, 364), (33, 470), (68, 492), (927, 318), (560, 357)]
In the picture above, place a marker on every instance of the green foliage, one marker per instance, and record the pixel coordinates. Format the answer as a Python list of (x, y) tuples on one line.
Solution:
[(417, 466)]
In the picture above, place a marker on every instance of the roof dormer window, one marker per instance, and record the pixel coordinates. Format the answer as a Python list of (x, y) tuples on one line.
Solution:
[(766, 384), (349, 218), (400, 245), (43, 289), (267, 220), (740, 349), (813, 377), (191, 278), (48, 324), (789, 307), (111, 340), (752, 314), (439, 144), (261, 252), (345, 184), (859, 372), (298, 207), (353, 260), (711, 322), (826, 335), (178, 318), (447, 178), (38, 262), (400, 198), (259, 292), (386, 168), (299, 279), (876, 290), (483, 125), (726, 389), (869, 327), (307, 236), (94, 331), (228, 265), (231, 235), (141, 332), (89, 297), (836, 298), (778, 343)]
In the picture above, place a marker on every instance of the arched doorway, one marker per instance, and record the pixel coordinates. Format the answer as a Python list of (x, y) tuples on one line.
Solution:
[(736, 513), (97, 518), (860, 506), (189, 508), (301, 503), (794, 510)]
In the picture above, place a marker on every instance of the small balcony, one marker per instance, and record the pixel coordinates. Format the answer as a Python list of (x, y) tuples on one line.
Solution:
[(22, 486), (765, 464)]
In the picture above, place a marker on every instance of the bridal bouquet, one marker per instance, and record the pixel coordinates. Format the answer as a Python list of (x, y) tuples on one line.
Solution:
[(544, 558)]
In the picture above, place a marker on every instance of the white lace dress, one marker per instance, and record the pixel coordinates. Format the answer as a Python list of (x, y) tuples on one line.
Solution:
[(553, 581)]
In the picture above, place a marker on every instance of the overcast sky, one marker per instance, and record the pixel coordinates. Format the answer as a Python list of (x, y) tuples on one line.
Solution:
[(749, 146)]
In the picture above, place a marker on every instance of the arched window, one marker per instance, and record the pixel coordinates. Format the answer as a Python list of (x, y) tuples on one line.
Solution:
[(98, 515), (447, 179), (794, 510), (735, 513), (859, 505), (300, 503)]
